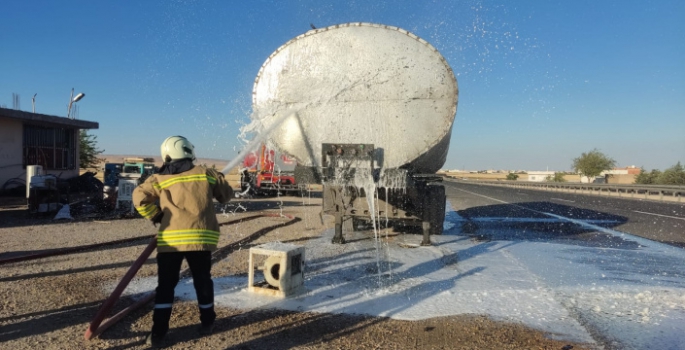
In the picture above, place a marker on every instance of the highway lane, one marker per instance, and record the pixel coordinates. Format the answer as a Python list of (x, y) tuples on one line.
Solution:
[(586, 254), (509, 213)]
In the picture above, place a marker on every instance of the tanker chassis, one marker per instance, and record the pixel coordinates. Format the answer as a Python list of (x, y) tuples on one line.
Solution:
[(406, 201)]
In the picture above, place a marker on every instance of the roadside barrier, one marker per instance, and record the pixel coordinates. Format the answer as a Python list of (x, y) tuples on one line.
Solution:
[(631, 191)]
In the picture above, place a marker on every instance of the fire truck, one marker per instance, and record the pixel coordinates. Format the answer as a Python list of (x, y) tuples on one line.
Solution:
[(268, 173)]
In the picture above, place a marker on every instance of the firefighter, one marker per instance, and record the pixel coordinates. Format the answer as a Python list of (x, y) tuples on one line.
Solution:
[(179, 198)]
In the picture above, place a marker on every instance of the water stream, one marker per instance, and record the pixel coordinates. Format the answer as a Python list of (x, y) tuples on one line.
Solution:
[(259, 138)]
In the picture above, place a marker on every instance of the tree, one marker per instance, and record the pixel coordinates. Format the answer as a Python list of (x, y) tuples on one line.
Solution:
[(647, 178), (557, 177), (674, 175), (88, 151), (592, 163), (512, 176)]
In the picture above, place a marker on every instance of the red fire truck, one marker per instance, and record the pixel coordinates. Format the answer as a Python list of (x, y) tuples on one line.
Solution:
[(267, 173)]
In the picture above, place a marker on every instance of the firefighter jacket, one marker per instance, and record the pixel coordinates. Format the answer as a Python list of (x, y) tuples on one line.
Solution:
[(189, 220)]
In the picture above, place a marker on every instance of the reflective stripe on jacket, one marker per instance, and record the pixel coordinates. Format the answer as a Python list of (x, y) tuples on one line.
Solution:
[(189, 222)]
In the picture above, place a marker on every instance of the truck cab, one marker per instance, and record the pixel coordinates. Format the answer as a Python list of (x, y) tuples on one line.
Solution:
[(111, 173), (137, 169)]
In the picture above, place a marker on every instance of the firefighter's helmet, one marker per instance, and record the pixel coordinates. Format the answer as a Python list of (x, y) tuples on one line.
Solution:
[(177, 147)]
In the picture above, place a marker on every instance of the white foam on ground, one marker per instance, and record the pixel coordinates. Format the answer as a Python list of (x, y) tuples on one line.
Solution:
[(632, 296)]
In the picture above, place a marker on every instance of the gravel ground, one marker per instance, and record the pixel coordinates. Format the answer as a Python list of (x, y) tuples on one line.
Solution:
[(48, 303)]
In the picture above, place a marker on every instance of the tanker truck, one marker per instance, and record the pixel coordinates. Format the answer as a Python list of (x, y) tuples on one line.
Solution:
[(366, 110)]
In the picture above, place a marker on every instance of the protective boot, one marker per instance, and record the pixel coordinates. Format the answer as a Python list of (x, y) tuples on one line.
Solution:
[(154, 341), (207, 317), (160, 326)]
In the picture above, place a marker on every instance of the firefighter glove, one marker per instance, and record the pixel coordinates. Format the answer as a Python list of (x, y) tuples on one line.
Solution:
[(157, 219)]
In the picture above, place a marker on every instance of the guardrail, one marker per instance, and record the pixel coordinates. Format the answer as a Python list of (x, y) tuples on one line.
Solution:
[(650, 192)]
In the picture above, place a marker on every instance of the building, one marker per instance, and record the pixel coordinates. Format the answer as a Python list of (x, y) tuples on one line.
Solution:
[(629, 170), (38, 139), (539, 176), (621, 175)]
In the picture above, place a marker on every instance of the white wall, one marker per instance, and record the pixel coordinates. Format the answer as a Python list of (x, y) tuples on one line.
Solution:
[(539, 176), (11, 141), (594, 180)]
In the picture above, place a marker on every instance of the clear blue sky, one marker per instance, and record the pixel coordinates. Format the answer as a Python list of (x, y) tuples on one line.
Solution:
[(540, 81)]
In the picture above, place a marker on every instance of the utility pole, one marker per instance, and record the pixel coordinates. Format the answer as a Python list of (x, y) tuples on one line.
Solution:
[(73, 99)]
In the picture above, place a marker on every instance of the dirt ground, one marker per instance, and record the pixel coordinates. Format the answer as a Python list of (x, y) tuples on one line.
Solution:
[(48, 303)]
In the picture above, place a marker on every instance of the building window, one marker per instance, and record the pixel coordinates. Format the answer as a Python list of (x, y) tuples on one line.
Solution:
[(53, 148)]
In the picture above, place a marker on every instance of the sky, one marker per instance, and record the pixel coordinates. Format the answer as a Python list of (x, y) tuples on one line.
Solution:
[(540, 82), (629, 293)]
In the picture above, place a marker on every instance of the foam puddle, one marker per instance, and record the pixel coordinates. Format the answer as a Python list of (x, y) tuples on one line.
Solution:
[(355, 175), (542, 285)]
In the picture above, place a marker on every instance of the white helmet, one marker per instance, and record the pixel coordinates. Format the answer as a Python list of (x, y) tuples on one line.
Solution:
[(177, 147)]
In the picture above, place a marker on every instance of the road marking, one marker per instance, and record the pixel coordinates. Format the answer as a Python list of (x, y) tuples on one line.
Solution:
[(544, 220), (583, 223), (563, 200), (640, 240), (666, 216), (480, 195)]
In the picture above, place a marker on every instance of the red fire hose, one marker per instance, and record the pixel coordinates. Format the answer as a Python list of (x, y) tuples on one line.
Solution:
[(70, 250), (97, 326), (94, 329)]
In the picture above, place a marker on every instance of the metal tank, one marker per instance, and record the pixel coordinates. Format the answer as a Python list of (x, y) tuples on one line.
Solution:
[(359, 83)]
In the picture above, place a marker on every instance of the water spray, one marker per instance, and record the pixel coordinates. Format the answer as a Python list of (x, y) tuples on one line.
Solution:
[(256, 141)]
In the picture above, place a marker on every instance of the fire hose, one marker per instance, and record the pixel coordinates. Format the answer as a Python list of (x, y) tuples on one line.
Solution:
[(97, 326), (70, 250)]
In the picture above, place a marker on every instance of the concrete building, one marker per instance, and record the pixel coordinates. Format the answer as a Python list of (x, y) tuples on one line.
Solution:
[(539, 176), (621, 175), (38, 139), (629, 170)]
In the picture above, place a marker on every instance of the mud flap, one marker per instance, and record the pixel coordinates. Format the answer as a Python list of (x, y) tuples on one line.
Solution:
[(338, 238), (437, 209), (433, 212)]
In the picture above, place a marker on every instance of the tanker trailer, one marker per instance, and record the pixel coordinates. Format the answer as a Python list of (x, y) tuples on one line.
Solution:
[(366, 110)]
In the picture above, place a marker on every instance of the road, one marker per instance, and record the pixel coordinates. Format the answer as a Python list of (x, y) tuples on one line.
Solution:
[(585, 254), (568, 214), (570, 266)]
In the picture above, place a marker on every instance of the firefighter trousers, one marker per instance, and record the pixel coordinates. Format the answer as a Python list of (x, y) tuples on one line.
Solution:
[(168, 268)]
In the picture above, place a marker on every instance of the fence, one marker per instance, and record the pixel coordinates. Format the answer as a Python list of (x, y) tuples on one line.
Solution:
[(649, 192)]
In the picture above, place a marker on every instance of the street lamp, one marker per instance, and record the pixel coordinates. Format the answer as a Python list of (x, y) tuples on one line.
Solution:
[(74, 99)]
